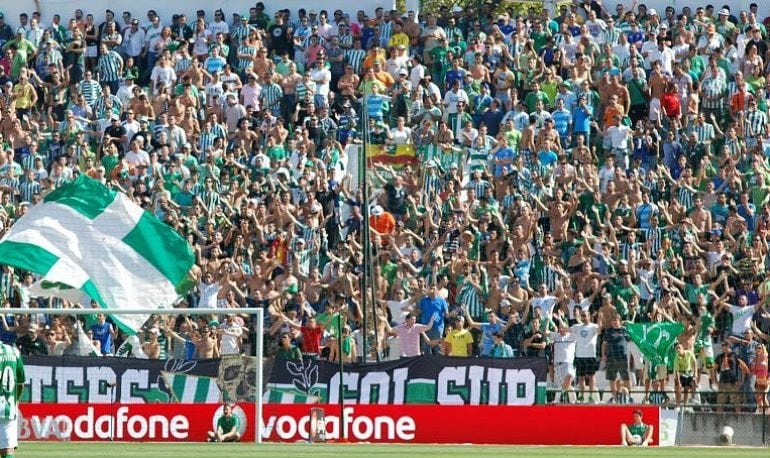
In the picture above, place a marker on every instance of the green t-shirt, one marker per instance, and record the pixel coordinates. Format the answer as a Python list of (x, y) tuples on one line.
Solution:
[(532, 98), (638, 430), (539, 39), (228, 423), (109, 162), (635, 92), (692, 292), (11, 374)]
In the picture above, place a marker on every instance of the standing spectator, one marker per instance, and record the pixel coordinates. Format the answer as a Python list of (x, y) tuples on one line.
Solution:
[(105, 333), (615, 356), (409, 334), (731, 372)]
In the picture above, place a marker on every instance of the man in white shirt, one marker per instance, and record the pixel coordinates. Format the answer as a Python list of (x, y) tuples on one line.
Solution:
[(321, 77), (564, 344), (664, 54), (586, 336), (618, 136), (136, 156), (454, 96)]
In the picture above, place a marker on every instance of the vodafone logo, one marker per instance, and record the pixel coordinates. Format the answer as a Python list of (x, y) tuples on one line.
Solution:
[(358, 427), (122, 426)]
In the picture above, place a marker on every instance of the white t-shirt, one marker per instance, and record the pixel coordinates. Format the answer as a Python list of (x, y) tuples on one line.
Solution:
[(208, 295), (546, 304), (396, 310), (563, 348), (586, 337), (619, 136), (584, 304), (322, 77), (230, 337), (741, 318)]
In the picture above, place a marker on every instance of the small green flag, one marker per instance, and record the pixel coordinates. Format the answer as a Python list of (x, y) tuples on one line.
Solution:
[(655, 340)]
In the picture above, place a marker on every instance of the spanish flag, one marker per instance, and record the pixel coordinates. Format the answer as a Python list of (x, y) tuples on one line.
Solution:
[(395, 155)]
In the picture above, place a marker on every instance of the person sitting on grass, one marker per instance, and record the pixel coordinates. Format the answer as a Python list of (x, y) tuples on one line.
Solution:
[(637, 433), (227, 427)]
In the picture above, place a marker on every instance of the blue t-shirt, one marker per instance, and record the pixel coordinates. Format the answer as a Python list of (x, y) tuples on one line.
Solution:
[(455, 75), (489, 330), (503, 154), (435, 308), (583, 119), (547, 158), (561, 121), (9, 337), (103, 335)]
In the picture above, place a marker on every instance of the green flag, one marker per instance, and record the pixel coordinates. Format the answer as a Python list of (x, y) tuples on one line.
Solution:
[(88, 239), (655, 340)]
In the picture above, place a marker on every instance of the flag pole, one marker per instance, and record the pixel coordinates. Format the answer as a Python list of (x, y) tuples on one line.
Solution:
[(367, 240)]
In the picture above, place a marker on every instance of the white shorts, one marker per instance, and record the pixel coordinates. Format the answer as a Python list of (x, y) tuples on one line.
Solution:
[(562, 371), (655, 109), (92, 51), (9, 434)]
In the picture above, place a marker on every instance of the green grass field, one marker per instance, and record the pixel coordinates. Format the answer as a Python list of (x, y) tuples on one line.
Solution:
[(186, 450)]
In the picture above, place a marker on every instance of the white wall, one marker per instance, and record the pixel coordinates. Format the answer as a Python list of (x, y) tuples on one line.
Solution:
[(139, 8)]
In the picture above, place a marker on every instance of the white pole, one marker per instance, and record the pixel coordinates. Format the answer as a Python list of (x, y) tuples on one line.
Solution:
[(260, 351), (175, 311)]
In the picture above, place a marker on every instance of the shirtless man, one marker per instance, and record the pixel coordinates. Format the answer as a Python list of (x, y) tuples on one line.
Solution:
[(700, 217), (205, 343), (657, 82)]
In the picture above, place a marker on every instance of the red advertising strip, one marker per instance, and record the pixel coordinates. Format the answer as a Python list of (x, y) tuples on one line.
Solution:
[(535, 425)]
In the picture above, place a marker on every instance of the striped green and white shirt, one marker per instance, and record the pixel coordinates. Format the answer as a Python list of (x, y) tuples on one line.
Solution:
[(11, 375), (90, 90), (612, 36), (355, 58), (271, 96), (704, 132), (755, 123), (714, 87), (109, 66), (245, 63), (183, 64), (28, 189)]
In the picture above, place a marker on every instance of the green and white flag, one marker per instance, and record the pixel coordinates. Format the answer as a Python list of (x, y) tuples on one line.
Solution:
[(88, 237), (655, 340), (187, 388)]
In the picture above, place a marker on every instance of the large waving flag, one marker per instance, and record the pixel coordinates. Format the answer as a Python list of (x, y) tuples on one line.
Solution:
[(655, 340), (85, 236)]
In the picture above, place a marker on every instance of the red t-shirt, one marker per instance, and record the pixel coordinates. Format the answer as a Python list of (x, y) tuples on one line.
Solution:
[(311, 339), (670, 104)]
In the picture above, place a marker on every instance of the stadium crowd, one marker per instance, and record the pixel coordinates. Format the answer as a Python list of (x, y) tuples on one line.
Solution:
[(559, 174)]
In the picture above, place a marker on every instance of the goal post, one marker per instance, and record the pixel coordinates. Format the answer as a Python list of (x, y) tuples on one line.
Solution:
[(259, 344)]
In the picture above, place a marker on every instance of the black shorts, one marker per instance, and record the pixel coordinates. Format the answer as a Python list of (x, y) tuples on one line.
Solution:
[(686, 381), (615, 368), (586, 366)]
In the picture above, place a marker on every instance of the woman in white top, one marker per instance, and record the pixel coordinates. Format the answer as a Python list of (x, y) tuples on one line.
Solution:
[(402, 135)]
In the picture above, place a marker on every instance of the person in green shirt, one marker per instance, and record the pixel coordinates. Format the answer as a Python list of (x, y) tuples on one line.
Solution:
[(287, 350), (536, 95), (228, 426), (637, 433), (623, 294), (685, 366)]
